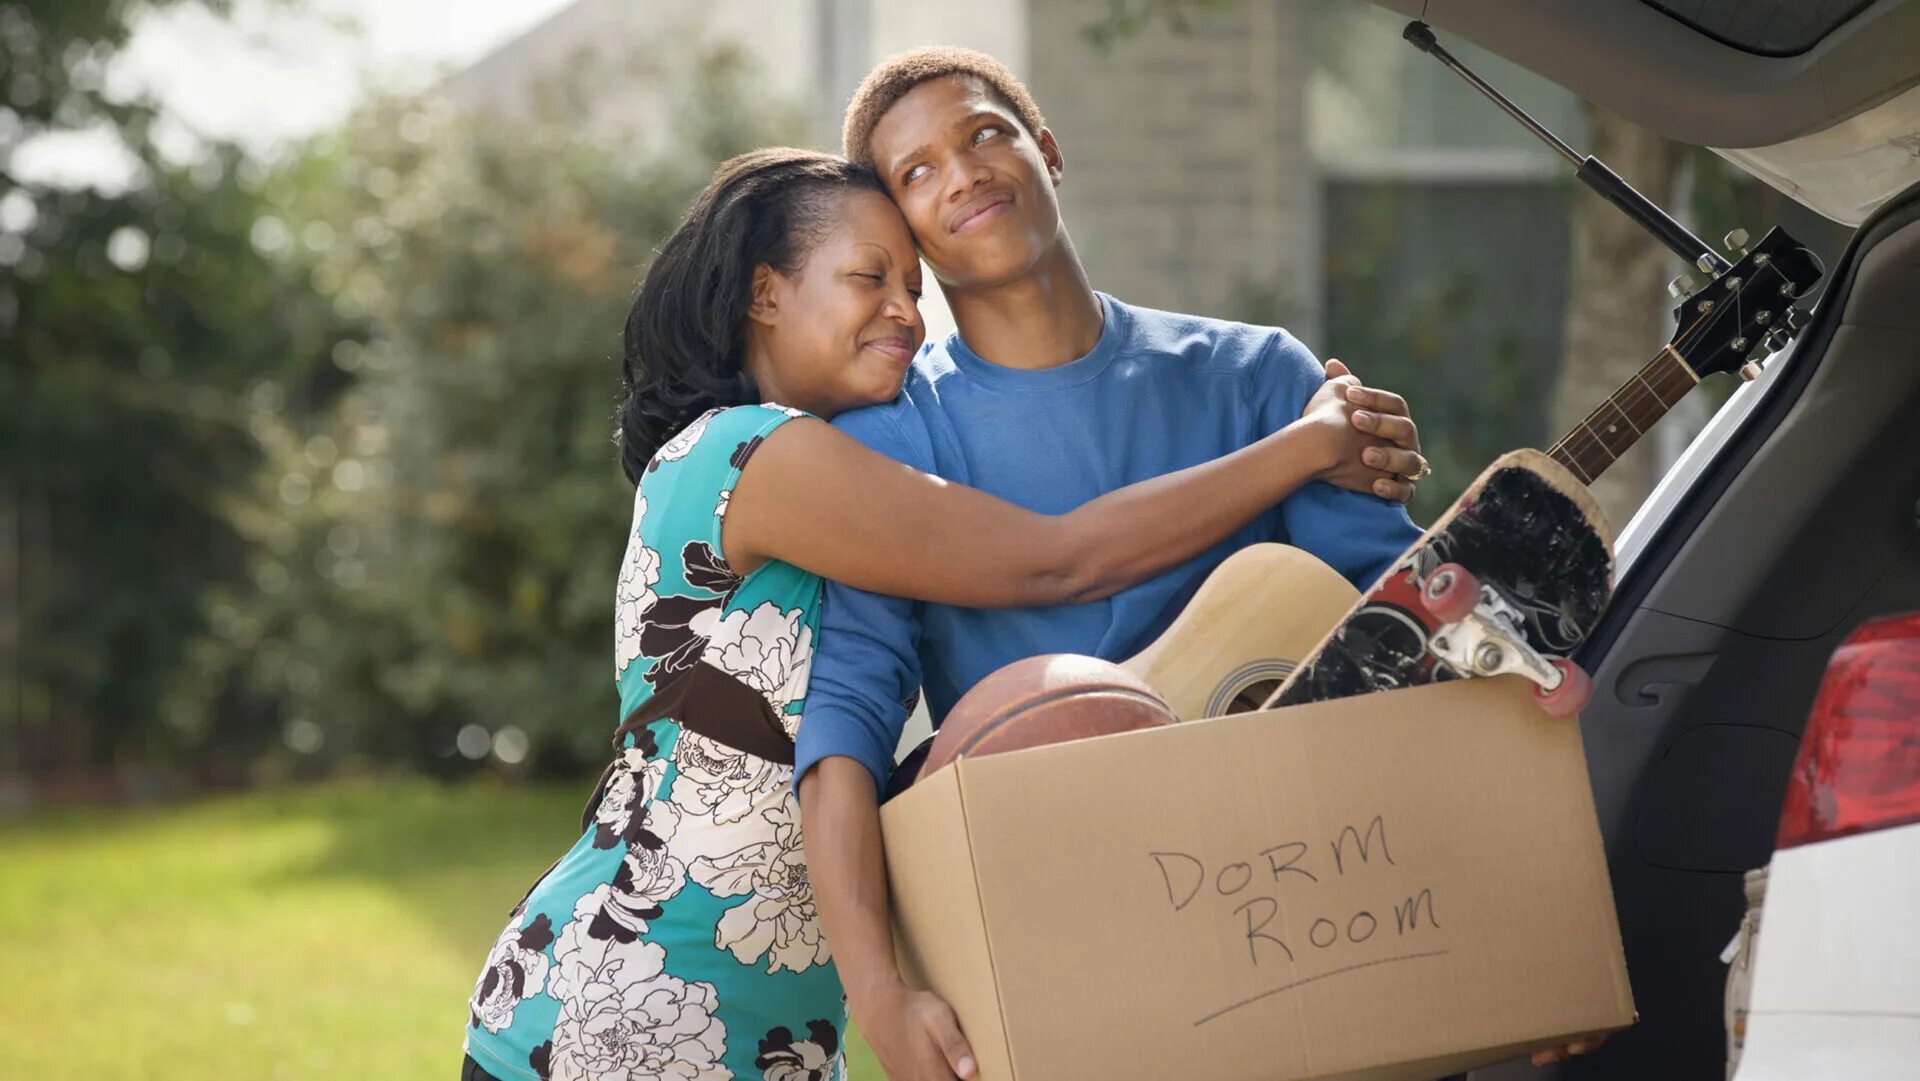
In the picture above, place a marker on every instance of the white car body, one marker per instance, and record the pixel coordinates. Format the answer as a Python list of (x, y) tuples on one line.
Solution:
[(1836, 980)]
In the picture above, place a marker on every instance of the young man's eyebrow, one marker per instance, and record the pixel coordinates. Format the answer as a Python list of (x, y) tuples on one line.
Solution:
[(901, 159), (966, 121), (976, 116)]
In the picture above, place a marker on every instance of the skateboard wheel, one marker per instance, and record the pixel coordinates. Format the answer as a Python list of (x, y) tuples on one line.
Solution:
[(1450, 593), (1573, 693)]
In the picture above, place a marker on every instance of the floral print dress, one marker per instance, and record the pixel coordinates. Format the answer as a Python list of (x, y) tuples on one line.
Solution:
[(678, 937)]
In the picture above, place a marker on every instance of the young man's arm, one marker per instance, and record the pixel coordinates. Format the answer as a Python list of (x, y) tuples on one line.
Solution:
[(1356, 534), (865, 668), (853, 720)]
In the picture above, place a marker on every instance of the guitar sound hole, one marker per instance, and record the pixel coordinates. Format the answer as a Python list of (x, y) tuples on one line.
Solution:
[(1253, 696)]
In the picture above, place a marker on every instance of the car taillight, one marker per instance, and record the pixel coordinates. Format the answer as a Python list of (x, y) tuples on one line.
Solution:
[(1859, 762)]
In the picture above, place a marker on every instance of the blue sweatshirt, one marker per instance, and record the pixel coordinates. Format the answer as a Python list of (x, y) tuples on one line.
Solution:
[(1158, 393)]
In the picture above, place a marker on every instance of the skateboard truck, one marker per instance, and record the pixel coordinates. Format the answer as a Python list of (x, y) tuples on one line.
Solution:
[(1478, 636)]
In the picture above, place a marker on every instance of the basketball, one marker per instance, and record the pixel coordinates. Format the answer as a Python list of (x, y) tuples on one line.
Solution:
[(1051, 698)]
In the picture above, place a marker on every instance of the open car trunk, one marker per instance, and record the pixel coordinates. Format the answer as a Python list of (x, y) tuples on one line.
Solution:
[(1792, 519), (1819, 98), (1768, 545)]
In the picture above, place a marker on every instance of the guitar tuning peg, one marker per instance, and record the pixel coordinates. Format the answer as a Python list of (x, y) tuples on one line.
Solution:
[(1681, 287), (1750, 371), (1737, 241)]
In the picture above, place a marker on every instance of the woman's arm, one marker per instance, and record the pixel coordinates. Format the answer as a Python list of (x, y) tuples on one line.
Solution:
[(816, 498)]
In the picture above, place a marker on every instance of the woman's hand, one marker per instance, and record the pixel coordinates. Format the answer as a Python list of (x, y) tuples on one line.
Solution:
[(1372, 444), (915, 1036)]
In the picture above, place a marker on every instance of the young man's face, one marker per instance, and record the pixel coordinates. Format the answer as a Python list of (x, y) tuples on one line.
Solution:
[(976, 188)]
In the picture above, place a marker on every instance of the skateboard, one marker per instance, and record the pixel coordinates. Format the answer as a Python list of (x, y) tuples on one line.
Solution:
[(1511, 579)]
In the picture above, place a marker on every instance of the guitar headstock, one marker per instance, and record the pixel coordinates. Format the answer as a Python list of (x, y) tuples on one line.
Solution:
[(1747, 308)]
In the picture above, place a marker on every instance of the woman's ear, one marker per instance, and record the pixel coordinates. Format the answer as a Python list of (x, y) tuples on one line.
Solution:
[(765, 305)]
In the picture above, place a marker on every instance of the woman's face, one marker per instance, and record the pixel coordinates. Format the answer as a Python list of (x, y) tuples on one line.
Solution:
[(839, 332)]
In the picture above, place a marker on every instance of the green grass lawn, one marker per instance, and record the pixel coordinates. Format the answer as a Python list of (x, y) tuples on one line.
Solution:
[(325, 932)]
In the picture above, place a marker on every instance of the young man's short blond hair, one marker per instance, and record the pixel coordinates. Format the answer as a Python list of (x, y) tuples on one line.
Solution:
[(889, 82)]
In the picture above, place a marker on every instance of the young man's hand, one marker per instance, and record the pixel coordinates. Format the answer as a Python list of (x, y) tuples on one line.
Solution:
[(916, 1037), (1374, 444), (1562, 1054)]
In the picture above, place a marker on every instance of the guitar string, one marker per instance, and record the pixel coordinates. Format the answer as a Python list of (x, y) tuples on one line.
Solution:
[(1584, 446), (1631, 398), (1584, 438)]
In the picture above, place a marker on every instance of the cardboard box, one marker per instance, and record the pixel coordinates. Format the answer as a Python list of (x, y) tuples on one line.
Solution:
[(1399, 885)]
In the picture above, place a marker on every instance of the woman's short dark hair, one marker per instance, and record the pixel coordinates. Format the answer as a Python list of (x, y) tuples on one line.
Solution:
[(686, 334)]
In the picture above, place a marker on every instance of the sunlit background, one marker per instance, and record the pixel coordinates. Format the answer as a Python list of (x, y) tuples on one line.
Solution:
[(310, 518)]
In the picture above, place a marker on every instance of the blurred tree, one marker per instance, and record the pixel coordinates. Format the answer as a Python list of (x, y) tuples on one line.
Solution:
[(1470, 410), (1618, 311), (435, 563), (1122, 19), (313, 461), (143, 329)]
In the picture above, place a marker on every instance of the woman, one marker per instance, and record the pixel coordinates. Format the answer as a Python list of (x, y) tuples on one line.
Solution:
[(678, 937)]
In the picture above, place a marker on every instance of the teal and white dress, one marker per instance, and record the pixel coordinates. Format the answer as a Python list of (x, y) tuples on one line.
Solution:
[(678, 937)]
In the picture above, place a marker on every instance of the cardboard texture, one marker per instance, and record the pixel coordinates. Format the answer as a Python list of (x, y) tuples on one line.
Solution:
[(1392, 886)]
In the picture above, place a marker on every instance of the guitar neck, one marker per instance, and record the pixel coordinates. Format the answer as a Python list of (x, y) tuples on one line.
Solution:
[(1629, 413)]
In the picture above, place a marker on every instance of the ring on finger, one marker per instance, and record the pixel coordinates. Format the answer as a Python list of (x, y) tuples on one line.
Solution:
[(1425, 470)]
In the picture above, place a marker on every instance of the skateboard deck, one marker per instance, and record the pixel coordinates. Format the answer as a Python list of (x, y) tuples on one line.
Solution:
[(1511, 579)]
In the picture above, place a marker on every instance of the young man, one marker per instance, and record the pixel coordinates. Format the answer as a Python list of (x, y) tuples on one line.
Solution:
[(1049, 395)]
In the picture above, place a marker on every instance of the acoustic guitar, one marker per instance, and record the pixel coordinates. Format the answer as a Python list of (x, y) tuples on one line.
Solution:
[(1269, 605)]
